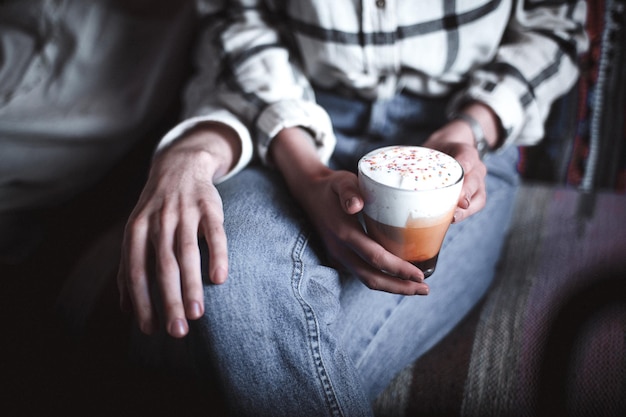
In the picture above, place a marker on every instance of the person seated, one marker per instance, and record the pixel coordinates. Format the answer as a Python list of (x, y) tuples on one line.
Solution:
[(245, 260)]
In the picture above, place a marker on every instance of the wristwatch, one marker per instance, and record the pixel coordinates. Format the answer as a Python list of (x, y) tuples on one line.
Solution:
[(479, 136)]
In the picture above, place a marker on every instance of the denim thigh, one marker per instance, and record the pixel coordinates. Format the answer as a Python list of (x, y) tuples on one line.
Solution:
[(266, 332)]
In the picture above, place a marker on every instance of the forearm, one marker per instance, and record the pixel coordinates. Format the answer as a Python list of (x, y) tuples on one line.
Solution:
[(535, 64)]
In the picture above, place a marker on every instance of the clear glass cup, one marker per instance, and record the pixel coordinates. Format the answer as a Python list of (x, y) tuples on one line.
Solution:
[(410, 195)]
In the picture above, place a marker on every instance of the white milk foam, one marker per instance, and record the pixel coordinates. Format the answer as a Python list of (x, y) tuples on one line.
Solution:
[(401, 183)]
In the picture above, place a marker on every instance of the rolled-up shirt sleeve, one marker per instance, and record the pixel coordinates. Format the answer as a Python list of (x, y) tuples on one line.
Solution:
[(296, 113), (536, 63), (245, 78), (246, 71)]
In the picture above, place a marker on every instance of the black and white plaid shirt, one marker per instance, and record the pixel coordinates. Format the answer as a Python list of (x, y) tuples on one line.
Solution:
[(258, 59)]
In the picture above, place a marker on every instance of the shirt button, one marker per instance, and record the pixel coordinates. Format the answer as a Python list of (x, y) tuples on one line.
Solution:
[(380, 3)]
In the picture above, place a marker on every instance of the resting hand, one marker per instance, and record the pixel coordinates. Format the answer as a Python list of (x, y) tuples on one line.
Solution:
[(332, 201), (178, 204)]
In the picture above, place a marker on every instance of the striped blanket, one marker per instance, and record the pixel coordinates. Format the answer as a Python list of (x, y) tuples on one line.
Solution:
[(550, 337)]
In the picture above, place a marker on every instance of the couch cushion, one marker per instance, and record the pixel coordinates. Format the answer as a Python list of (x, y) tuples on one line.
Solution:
[(549, 337)]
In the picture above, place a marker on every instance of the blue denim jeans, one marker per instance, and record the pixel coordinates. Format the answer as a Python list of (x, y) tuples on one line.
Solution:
[(287, 335)]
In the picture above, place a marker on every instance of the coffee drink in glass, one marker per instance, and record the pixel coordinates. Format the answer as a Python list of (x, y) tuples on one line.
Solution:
[(410, 195)]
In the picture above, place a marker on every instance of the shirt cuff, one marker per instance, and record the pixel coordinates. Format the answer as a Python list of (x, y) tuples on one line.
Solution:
[(223, 117), (296, 113)]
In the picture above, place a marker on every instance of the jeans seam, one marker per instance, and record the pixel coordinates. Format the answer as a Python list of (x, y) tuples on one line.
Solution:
[(313, 332), (368, 347)]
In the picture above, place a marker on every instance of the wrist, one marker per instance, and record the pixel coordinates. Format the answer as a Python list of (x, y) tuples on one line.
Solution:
[(215, 143), (485, 125), (480, 141), (295, 156)]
